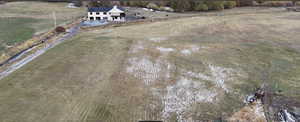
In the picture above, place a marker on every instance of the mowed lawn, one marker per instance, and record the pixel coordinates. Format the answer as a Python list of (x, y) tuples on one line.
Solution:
[(19, 21), (198, 68), (11, 34)]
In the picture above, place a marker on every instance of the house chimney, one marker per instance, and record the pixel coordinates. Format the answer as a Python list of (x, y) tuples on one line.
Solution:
[(115, 7)]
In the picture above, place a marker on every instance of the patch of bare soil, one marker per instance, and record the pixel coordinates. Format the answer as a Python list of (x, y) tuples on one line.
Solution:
[(250, 113)]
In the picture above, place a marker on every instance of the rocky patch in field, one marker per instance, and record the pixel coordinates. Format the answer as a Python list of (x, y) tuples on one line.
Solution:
[(218, 75), (164, 50), (137, 47), (190, 50), (149, 71), (157, 39), (181, 95)]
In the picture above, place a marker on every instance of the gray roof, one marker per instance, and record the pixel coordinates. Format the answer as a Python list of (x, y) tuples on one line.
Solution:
[(102, 9)]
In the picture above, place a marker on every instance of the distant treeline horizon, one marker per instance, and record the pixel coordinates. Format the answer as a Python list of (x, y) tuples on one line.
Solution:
[(140, 0)]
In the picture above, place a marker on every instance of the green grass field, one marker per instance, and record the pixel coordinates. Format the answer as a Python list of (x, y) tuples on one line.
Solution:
[(11, 34), (198, 68), (19, 21)]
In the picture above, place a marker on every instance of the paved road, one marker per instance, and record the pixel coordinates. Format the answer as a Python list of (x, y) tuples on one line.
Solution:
[(72, 31)]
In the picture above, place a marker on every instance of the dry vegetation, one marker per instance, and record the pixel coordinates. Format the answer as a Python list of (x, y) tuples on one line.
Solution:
[(198, 68), (253, 113)]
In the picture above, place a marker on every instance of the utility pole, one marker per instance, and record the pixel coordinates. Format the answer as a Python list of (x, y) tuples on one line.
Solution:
[(54, 18)]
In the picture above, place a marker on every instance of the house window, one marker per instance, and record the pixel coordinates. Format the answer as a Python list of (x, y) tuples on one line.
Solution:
[(122, 15), (105, 18), (98, 18), (91, 18), (91, 13), (97, 13), (104, 13)]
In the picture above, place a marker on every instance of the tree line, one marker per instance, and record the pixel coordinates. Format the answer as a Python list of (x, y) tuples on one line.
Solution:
[(177, 5)]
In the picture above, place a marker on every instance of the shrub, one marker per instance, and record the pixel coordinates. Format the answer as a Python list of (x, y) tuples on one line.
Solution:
[(215, 5), (152, 6), (201, 7), (173, 4), (246, 2), (77, 3), (297, 3), (259, 1), (131, 3), (161, 3), (136, 3), (60, 29), (255, 3), (277, 3), (100, 3), (142, 3), (181, 5), (123, 3), (229, 4), (194, 4), (128, 3)]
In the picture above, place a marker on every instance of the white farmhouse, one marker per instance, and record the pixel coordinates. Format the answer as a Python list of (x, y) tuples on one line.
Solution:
[(114, 13)]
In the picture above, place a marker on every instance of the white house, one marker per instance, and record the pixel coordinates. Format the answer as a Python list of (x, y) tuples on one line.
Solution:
[(114, 13)]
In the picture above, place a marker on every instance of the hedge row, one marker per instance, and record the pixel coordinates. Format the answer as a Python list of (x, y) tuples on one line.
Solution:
[(275, 3), (38, 0), (203, 5)]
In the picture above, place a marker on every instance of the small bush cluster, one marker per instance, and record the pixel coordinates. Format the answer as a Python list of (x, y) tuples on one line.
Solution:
[(137, 3), (60, 29), (297, 3), (229, 4), (277, 3), (203, 5), (247, 2), (181, 5), (215, 5), (99, 4), (77, 3)]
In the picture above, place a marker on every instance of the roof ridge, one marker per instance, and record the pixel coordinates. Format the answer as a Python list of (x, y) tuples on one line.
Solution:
[(98, 9)]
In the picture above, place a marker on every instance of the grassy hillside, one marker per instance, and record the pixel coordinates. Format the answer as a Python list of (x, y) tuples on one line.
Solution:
[(11, 34), (198, 68), (19, 21)]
